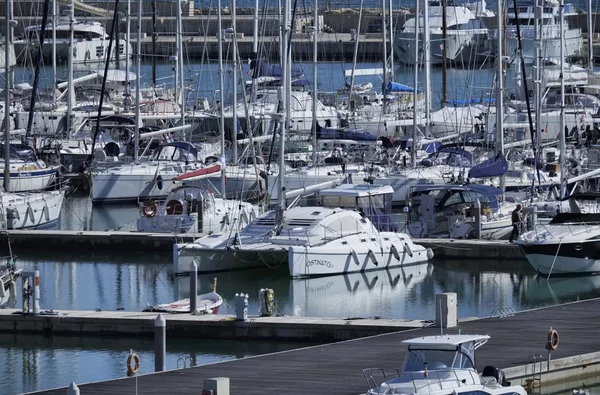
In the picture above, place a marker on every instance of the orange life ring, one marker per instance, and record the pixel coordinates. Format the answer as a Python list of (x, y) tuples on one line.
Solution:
[(135, 367), (553, 339), (150, 208)]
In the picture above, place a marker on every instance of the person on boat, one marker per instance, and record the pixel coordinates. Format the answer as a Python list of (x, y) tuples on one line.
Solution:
[(517, 223)]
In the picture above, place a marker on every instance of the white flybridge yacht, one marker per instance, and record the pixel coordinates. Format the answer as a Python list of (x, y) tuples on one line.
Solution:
[(90, 44), (441, 365), (312, 241), (550, 25), (466, 33)]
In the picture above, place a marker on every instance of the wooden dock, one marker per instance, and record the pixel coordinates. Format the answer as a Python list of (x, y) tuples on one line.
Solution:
[(142, 241), (337, 368)]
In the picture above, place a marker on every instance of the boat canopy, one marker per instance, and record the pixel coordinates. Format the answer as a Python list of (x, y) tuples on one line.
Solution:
[(398, 87), (449, 156), (338, 134), (442, 352), (492, 194), (178, 150)]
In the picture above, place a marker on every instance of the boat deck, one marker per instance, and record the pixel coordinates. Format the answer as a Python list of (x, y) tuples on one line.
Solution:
[(337, 368)]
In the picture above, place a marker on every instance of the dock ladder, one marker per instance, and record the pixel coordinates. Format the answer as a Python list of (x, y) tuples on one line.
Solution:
[(533, 383)]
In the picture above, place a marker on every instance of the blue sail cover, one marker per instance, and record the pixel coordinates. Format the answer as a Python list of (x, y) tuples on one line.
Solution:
[(397, 87), (493, 167), (337, 134)]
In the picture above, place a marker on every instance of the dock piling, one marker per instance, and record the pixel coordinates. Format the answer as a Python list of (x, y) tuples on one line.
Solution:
[(160, 343), (477, 219), (193, 287), (73, 389)]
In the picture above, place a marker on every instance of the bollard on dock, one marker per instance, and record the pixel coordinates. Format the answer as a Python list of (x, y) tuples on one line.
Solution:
[(193, 288), (241, 307), (73, 389), (160, 343)]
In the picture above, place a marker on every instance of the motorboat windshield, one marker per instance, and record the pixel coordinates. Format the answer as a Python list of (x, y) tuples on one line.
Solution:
[(419, 359)]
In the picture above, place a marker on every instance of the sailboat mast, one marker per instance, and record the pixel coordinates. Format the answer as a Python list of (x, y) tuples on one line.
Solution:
[(153, 44), (7, 97), (427, 64), (221, 94), (413, 149), (315, 70), (537, 75), (127, 55), (71, 88), (444, 60), (391, 25), (286, 98), (355, 54), (385, 61), (590, 29), (54, 16), (255, 50), (234, 129), (500, 87), (138, 116), (562, 131), (180, 62)]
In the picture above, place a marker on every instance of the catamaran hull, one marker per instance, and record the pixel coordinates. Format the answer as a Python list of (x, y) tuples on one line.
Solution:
[(306, 261)]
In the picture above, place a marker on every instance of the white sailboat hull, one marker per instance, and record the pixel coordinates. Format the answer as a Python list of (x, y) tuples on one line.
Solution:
[(34, 210), (30, 180)]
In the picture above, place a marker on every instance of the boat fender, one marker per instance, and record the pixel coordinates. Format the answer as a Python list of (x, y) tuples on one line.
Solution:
[(159, 182), (3, 294), (429, 254), (88, 56), (394, 252), (355, 256), (149, 209), (407, 249), (133, 364), (553, 339), (371, 255), (29, 213), (46, 213)]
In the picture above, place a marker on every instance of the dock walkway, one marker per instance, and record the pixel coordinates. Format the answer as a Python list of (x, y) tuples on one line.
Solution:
[(337, 368)]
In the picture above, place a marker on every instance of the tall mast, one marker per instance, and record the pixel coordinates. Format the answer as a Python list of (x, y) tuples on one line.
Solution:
[(537, 74), (221, 94), (444, 60), (7, 71), (127, 55), (385, 69), (391, 40), (54, 16), (590, 29), (71, 88), (234, 152), (500, 86), (180, 62), (138, 116), (255, 49), (562, 137), (315, 70), (413, 150), (286, 99), (427, 65), (153, 44), (355, 54)]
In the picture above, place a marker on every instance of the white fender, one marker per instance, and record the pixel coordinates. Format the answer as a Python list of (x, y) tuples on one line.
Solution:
[(4, 295), (371, 255), (46, 213), (29, 213), (394, 252), (243, 218), (355, 256), (407, 249)]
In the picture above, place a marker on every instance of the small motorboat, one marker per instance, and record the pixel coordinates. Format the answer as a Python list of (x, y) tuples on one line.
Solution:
[(207, 303), (441, 365)]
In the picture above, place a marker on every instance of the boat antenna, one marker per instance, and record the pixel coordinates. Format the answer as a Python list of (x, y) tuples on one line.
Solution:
[(215, 284)]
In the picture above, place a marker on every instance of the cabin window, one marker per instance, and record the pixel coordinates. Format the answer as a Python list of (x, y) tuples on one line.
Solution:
[(419, 360), (100, 52)]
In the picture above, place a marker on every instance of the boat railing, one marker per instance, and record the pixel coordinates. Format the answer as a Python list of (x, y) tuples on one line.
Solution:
[(432, 377)]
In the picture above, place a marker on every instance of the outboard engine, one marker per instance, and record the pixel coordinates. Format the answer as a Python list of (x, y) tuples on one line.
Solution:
[(497, 373)]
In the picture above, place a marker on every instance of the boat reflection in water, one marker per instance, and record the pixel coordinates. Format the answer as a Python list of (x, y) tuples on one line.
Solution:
[(557, 290), (367, 294)]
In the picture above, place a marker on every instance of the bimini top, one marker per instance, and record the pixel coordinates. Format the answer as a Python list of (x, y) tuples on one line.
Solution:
[(447, 341), (358, 190)]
